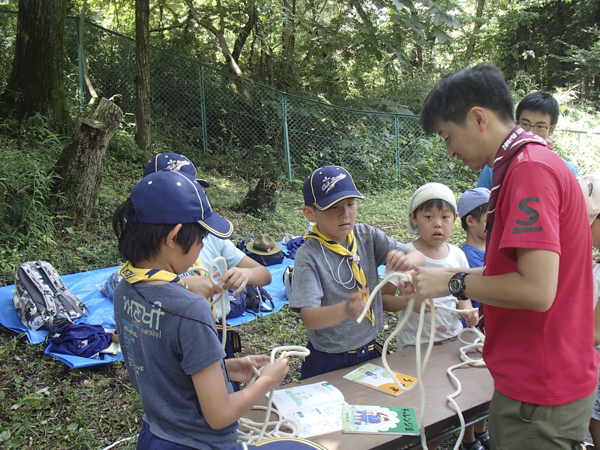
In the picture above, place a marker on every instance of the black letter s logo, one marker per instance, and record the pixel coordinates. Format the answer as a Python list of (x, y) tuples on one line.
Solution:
[(529, 211)]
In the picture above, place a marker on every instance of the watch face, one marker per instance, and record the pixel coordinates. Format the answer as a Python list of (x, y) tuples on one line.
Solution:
[(454, 286)]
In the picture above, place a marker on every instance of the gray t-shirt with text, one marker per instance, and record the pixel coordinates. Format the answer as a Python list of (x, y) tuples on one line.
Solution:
[(161, 351)]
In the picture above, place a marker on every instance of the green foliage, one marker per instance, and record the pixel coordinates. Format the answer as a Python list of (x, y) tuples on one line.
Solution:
[(430, 162), (26, 198)]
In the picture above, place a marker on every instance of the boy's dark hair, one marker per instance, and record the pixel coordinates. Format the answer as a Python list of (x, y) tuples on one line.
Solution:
[(539, 102), (477, 214), (455, 94), (141, 241), (437, 203)]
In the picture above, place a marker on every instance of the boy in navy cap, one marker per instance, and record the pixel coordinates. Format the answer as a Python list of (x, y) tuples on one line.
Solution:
[(242, 269), (334, 270), (170, 346), (472, 211)]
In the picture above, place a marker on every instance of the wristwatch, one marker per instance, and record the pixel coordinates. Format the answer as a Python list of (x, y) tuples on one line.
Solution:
[(457, 285)]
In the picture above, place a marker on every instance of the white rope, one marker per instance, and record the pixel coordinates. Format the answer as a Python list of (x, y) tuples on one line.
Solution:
[(221, 296), (422, 364), (248, 430), (114, 444)]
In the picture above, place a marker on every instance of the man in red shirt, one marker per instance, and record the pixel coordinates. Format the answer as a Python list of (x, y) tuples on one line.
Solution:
[(537, 285)]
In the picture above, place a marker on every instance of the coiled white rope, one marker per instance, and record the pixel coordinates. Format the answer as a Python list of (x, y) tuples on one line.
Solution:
[(248, 430), (421, 365), (208, 271)]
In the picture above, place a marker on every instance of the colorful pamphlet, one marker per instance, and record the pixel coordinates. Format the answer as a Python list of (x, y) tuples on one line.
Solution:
[(377, 378), (316, 408), (379, 419)]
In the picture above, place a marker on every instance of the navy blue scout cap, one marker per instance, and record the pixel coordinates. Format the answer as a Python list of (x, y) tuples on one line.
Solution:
[(168, 197), (328, 185), (172, 161)]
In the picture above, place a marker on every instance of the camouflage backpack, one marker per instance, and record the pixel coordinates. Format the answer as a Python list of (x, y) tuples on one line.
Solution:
[(42, 300)]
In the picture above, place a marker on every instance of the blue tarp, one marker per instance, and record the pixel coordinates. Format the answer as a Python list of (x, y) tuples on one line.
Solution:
[(86, 286)]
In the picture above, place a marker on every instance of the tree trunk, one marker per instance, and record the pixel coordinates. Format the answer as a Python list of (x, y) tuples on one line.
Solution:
[(80, 163), (476, 27), (142, 77), (36, 82), (261, 198)]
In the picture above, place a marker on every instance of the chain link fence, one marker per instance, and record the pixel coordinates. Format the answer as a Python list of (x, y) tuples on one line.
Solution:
[(208, 113)]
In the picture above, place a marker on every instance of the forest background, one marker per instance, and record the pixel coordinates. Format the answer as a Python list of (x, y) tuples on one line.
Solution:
[(343, 78)]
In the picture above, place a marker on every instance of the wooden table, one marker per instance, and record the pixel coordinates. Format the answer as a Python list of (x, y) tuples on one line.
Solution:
[(440, 418)]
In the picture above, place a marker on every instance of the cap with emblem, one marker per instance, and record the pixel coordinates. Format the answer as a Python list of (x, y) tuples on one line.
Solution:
[(172, 161), (172, 197), (328, 185)]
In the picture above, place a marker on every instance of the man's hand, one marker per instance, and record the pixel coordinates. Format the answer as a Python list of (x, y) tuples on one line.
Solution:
[(428, 283)]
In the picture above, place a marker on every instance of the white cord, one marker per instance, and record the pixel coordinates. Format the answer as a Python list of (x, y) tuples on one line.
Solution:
[(338, 280), (247, 428), (422, 364), (221, 296), (114, 444)]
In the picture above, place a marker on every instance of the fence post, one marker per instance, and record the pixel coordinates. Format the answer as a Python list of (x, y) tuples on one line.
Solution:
[(80, 67), (397, 137), (286, 142), (579, 152), (203, 111)]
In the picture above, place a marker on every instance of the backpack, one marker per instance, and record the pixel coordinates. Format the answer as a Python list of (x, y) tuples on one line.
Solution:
[(256, 299), (42, 300)]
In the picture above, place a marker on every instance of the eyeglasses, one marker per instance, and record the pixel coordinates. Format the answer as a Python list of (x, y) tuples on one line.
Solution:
[(527, 126)]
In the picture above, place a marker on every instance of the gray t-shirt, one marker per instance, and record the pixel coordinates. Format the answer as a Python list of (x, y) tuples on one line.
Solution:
[(318, 277), (161, 351)]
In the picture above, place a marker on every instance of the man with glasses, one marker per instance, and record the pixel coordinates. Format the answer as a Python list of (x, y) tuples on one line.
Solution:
[(538, 113)]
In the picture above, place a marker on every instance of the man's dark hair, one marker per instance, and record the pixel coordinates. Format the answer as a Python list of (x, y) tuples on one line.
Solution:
[(539, 102), (141, 241), (455, 94), (477, 214), (436, 203)]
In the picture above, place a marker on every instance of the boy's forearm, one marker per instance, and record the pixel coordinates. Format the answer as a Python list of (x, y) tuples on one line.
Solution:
[(465, 304), (258, 275), (221, 409), (393, 303), (415, 257), (319, 317)]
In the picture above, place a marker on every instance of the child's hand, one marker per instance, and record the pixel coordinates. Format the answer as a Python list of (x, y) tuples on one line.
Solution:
[(471, 319), (234, 278), (397, 261), (275, 373), (242, 369), (201, 285), (356, 303)]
